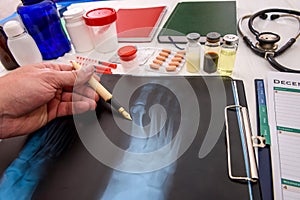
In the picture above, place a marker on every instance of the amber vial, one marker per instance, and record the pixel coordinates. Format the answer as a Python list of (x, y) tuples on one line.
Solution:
[(6, 58), (211, 52)]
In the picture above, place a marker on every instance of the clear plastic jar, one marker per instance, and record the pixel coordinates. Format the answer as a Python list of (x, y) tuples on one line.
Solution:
[(211, 52), (78, 30), (128, 57), (193, 53), (41, 19), (103, 30), (228, 54)]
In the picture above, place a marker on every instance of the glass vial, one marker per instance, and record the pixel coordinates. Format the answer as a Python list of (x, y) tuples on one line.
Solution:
[(78, 30), (211, 52), (228, 54), (21, 44), (7, 59), (193, 53), (42, 21)]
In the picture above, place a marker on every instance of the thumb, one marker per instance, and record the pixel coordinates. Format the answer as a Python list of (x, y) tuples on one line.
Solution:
[(74, 77), (84, 74)]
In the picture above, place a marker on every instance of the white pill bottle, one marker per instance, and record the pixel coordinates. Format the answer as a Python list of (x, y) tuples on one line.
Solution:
[(21, 44), (78, 30)]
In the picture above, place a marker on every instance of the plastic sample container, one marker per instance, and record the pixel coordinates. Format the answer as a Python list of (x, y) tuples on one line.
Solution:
[(102, 27), (128, 57)]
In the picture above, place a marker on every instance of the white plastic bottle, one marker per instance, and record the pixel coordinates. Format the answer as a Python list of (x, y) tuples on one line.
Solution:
[(21, 44), (78, 30)]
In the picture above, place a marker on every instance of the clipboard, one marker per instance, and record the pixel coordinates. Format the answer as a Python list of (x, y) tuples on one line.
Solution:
[(203, 170), (264, 153)]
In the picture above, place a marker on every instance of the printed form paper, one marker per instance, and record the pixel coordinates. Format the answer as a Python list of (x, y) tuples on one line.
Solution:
[(284, 121)]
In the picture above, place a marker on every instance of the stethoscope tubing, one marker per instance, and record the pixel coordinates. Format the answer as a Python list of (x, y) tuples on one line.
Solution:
[(270, 55)]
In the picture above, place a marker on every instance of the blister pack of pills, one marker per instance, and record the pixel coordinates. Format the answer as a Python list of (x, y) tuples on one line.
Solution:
[(143, 55), (166, 61)]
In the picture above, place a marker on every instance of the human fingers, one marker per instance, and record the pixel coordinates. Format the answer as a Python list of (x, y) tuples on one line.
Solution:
[(73, 97), (96, 77), (50, 65), (63, 79), (83, 90), (87, 91), (70, 108), (58, 66)]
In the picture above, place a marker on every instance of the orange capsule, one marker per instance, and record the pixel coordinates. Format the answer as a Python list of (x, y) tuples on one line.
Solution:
[(176, 64), (158, 62), (182, 52), (176, 59), (168, 51), (171, 68), (154, 66), (164, 54), (162, 58), (178, 56)]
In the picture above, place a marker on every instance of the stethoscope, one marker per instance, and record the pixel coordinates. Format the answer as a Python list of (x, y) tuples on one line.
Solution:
[(266, 46)]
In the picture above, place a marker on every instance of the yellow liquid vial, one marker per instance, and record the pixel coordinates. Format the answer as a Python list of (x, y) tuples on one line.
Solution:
[(193, 62), (226, 62)]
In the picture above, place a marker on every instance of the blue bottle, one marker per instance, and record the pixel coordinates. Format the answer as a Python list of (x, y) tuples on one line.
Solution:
[(42, 21)]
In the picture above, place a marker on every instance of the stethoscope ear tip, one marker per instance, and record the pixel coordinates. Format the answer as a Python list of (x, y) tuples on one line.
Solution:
[(263, 16), (274, 16)]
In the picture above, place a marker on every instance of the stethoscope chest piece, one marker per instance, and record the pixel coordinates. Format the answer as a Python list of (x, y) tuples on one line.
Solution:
[(267, 41)]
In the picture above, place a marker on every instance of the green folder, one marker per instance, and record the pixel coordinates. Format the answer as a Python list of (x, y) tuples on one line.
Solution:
[(201, 17)]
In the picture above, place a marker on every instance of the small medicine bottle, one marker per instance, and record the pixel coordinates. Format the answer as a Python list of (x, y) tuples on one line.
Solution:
[(21, 44), (193, 53), (128, 57), (78, 30), (228, 54), (211, 52)]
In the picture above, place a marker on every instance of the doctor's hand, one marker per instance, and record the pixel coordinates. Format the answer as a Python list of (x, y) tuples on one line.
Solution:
[(33, 95)]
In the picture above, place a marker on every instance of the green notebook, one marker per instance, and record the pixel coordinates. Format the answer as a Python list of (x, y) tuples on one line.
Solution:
[(201, 17)]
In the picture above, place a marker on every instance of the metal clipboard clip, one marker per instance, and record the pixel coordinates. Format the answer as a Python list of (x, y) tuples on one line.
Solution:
[(253, 174)]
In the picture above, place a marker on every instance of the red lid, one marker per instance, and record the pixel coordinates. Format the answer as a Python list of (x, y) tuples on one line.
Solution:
[(127, 53), (100, 16)]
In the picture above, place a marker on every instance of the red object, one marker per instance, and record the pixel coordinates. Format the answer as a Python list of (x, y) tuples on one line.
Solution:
[(127, 53), (102, 70), (86, 61), (112, 65), (138, 24), (100, 16)]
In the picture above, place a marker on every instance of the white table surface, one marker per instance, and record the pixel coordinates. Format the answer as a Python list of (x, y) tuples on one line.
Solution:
[(248, 66)]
